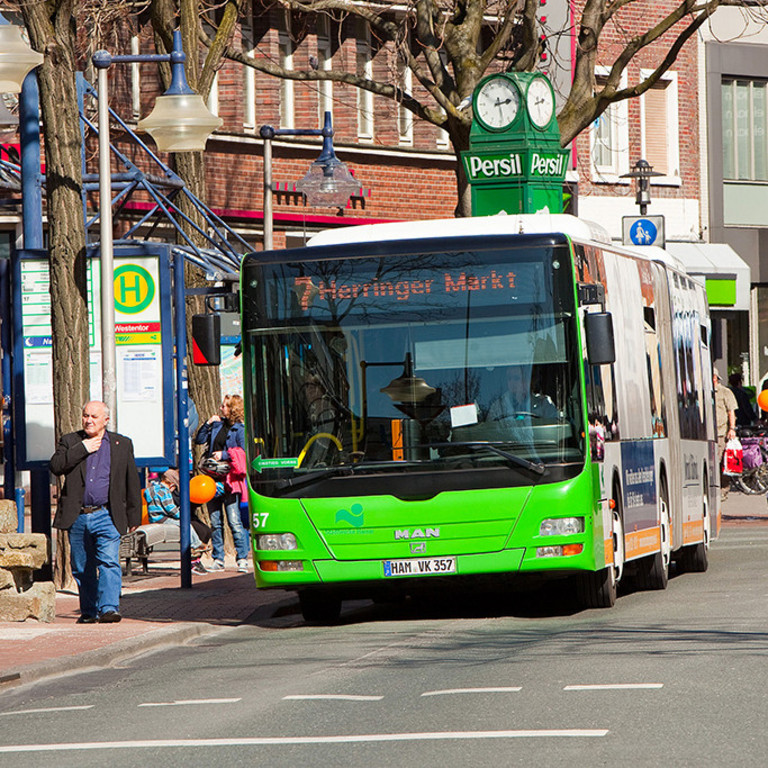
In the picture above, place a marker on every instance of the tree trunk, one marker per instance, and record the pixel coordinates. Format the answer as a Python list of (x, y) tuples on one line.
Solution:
[(459, 133), (51, 30)]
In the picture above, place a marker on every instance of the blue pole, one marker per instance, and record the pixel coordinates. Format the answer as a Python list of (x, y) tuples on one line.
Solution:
[(32, 224), (182, 418), (19, 493), (6, 339), (31, 180)]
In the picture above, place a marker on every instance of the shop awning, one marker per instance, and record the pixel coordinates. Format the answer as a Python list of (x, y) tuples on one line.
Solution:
[(726, 275)]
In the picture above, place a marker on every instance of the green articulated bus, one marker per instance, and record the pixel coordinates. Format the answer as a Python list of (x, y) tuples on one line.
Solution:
[(432, 403)]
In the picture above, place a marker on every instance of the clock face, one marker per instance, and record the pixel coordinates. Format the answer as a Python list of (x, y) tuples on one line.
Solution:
[(540, 102), (497, 103)]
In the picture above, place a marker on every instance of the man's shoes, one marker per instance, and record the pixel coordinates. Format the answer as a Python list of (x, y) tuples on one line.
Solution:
[(217, 565), (109, 617), (87, 619), (242, 566), (198, 567)]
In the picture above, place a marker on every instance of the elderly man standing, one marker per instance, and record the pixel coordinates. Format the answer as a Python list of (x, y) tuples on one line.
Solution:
[(100, 501)]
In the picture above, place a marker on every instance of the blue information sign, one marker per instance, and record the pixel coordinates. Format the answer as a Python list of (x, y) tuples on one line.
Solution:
[(644, 230)]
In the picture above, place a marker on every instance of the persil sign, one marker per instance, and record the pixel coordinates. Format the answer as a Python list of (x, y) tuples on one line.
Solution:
[(531, 164)]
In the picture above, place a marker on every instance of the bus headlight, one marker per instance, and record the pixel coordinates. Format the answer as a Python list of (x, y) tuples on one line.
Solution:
[(276, 541), (561, 526)]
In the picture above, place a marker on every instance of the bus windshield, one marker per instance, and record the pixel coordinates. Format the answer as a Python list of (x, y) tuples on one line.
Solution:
[(411, 362)]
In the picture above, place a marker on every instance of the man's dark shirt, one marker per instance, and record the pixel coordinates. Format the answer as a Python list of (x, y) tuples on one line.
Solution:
[(97, 467)]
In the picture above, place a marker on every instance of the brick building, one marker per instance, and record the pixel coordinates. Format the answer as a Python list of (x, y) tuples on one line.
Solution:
[(406, 167)]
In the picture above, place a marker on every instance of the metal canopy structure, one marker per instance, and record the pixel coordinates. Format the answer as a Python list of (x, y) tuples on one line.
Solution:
[(165, 189), (225, 248)]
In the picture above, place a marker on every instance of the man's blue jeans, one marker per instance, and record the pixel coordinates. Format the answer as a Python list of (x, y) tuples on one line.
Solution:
[(231, 504), (95, 544)]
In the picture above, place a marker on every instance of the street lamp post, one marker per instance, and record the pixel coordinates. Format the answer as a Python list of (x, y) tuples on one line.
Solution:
[(179, 122), (642, 171), (328, 181)]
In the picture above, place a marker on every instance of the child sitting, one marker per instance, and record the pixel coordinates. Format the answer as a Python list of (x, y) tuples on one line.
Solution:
[(163, 508)]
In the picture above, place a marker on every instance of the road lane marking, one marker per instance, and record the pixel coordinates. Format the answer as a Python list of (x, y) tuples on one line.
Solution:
[(331, 696), (46, 709), (450, 691), (186, 702), (294, 740), (614, 687)]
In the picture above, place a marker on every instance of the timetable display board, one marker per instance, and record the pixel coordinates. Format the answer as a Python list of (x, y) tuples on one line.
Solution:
[(143, 346)]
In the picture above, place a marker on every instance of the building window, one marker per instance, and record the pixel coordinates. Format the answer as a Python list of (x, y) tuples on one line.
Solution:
[(405, 116), (324, 64), (745, 152), (213, 96), (610, 138), (286, 49), (365, 70), (660, 134), (249, 79), (135, 79)]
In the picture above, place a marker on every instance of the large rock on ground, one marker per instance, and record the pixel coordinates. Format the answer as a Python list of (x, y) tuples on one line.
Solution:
[(38, 602), (23, 550), (9, 520)]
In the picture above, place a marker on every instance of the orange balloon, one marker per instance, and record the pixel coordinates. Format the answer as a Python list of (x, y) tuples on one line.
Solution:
[(201, 489), (762, 400)]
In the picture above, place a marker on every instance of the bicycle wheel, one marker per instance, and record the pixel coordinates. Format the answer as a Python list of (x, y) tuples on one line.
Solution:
[(752, 481)]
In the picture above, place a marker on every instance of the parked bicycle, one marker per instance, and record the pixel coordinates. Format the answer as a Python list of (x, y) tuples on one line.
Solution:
[(754, 479)]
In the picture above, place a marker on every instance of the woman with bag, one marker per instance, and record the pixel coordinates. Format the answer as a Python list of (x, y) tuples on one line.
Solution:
[(725, 411), (220, 434)]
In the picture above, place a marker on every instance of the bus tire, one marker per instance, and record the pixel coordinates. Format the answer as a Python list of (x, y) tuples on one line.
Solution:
[(319, 607), (694, 558), (596, 589), (653, 572)]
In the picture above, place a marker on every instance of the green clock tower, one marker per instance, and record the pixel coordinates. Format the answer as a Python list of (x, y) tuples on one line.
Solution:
[(515, 162)]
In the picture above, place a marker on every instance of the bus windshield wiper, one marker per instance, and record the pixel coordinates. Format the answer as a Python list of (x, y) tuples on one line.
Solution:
[(519, 461), (312, 477), (316, 476)]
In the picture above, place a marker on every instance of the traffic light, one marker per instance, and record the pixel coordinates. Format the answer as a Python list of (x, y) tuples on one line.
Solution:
[(206, 339)]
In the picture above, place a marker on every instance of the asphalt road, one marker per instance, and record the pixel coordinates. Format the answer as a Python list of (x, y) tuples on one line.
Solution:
[(675, 678)]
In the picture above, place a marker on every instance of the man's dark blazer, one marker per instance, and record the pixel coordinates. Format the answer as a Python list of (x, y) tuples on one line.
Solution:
[(124, 486)]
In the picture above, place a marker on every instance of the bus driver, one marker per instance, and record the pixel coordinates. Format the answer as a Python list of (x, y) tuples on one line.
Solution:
[(518, 402)]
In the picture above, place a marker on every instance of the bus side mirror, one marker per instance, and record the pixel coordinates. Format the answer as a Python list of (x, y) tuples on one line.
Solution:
[(601, 349), (206, 339)]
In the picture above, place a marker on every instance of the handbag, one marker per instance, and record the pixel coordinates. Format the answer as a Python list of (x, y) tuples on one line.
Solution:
[(733, 458)]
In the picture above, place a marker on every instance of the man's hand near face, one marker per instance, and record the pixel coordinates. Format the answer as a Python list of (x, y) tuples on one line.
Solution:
[(92, 444)]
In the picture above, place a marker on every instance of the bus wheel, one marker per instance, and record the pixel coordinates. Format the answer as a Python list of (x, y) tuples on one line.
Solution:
[(653, 572), (694, 558), (598, 589), (319, 607)]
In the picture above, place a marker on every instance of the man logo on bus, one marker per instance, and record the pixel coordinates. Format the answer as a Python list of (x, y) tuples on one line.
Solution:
[(418, 533)]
